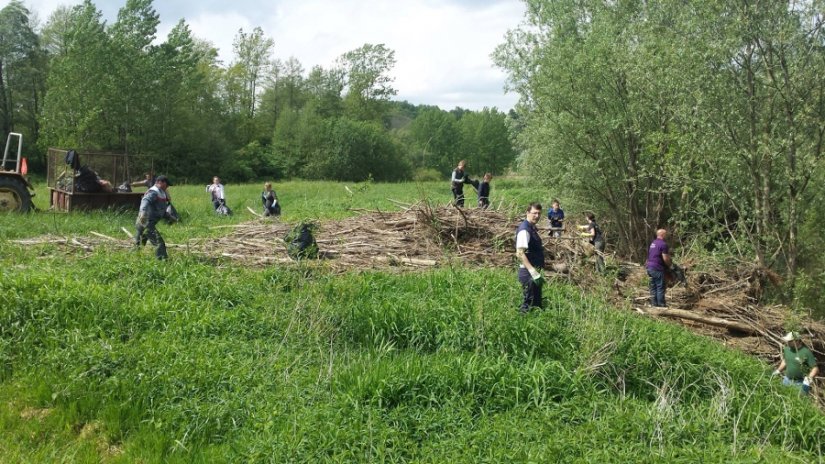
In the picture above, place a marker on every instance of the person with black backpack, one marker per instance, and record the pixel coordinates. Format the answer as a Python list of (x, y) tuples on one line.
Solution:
[(152, 209)]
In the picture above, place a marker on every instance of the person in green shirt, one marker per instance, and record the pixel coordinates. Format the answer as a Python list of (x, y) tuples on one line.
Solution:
[(798, 363)]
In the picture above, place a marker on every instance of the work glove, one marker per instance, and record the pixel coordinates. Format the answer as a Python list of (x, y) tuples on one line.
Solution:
[(806, 381), (143, 219), (537, 277), (775, 373)]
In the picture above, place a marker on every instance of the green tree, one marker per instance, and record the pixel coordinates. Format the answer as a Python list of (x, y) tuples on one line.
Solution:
[(252, 63), (22, 70), (485, 141), (436, 139), (368, 82), (78, 85)]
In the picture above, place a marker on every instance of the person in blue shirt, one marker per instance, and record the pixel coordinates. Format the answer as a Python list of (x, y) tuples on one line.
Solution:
[(555, 216), (658, 262)]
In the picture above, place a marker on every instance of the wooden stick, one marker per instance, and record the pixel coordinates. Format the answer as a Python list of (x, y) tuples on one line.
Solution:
[(253, 212), (102, 236), (710, 320), (129, 234)]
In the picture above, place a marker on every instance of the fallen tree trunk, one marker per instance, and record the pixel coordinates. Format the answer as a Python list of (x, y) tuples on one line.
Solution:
[(710, 320)]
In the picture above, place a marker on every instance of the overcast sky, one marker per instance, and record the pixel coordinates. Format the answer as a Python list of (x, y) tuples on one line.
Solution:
[(442, 47)]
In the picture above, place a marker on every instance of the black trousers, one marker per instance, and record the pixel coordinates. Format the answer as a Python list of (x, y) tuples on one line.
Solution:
[(458, 196), (531, 291)]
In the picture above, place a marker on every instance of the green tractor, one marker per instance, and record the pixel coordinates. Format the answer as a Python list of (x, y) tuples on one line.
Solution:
[(15, 188)]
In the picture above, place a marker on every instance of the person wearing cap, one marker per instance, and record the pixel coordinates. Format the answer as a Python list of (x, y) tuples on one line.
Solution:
[(798, 363), (530, 253), (658, 262), (152, 209)]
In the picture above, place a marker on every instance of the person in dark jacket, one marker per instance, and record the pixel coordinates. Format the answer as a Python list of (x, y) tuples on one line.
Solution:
[(152, 209), (530, 253), (484, 191), (270, 201), (594, 232), (457, 181)]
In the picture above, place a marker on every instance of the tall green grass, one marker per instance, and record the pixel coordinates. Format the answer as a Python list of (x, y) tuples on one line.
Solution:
[(111, 356), (182, 361)]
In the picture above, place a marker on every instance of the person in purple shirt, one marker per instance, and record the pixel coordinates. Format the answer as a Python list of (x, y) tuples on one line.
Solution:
[(658, 261)]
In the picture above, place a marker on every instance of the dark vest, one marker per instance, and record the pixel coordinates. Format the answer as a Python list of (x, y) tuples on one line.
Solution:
[(535, 250)]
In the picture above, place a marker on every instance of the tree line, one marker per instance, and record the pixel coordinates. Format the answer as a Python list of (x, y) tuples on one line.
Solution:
[(77, 82), (705, 116)]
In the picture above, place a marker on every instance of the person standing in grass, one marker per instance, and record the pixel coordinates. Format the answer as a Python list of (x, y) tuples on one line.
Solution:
[(457, 181), (530, 253), (484, 191), (555, 216), (658, 262), (270, 201), (152, 209), (592, 230), (797, 360), (216, 190)]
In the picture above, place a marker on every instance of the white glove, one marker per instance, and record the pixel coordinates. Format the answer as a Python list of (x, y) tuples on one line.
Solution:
[(536, 275), (806, 381), (143, 219), (776, 372)]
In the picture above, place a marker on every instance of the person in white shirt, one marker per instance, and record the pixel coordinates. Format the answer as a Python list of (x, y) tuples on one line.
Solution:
[(216, 190)]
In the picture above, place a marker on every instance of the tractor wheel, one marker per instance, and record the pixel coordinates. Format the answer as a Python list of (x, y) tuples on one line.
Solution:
[(14, 196)]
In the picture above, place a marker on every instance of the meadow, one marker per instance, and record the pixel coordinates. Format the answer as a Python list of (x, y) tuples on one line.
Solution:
[(111, 356)]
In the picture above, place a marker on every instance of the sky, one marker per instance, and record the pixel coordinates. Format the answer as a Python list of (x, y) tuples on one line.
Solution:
[(442, 47)]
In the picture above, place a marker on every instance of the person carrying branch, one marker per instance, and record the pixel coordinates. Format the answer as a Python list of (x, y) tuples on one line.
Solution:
[(658, 262), (530, 253), (152, 209), (798, 363)]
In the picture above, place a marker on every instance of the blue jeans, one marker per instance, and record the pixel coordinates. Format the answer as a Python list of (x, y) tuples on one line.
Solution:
[(531, 291), (796, 383), (657, 287)]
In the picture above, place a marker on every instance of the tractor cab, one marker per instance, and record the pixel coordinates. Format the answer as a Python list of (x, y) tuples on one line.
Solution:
[(16, 191)]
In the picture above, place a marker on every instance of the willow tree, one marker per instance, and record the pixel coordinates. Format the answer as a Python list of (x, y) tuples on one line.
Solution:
[(699, 114)]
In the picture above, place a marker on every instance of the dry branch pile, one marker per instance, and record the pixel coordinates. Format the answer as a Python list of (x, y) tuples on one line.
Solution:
[(419, 235), (724, 303)]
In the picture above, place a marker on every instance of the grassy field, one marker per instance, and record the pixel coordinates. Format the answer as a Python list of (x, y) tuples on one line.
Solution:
[(115, 357)]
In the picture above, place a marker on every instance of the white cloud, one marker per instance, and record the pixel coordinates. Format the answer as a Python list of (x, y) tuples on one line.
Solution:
[(442, 48)]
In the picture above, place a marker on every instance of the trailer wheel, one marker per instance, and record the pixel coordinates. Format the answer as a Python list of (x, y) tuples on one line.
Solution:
[(14, 196)]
